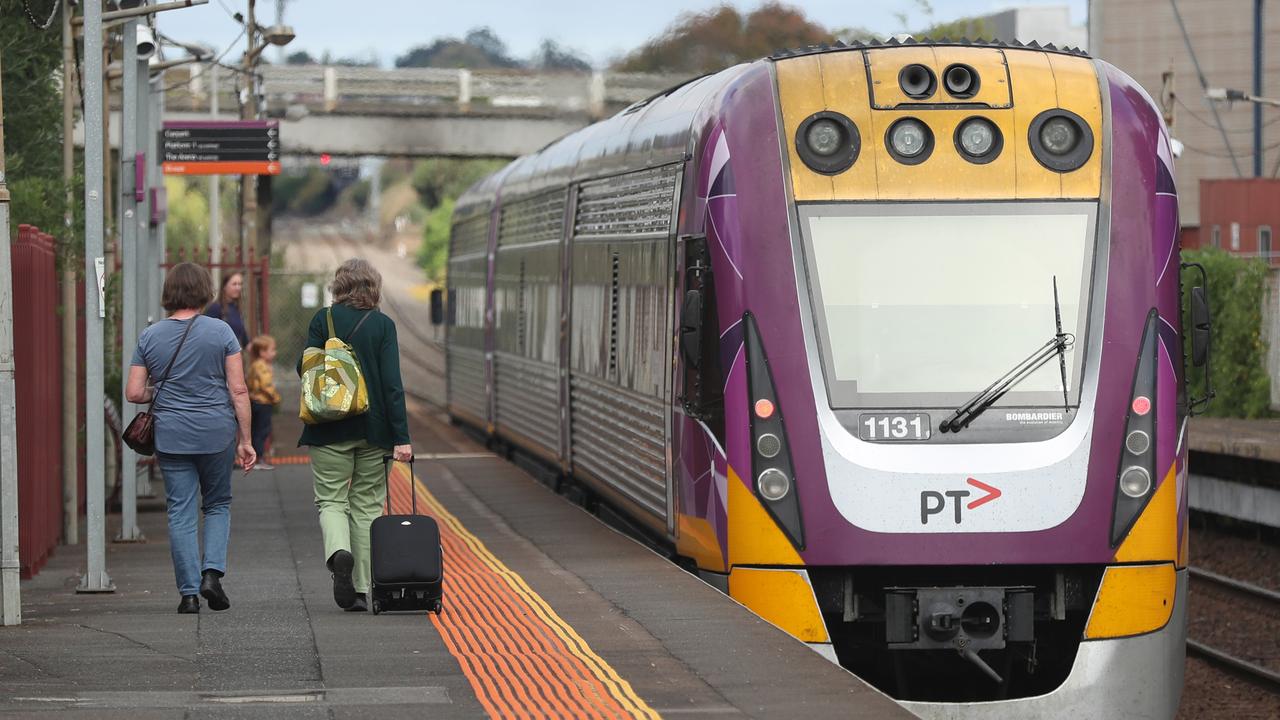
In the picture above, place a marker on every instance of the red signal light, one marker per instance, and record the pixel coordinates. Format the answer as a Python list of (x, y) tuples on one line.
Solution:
[(1141, 405), (325, 158), (764, 408)]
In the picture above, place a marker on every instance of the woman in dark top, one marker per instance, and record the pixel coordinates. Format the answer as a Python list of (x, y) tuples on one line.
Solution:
[(201, 409), (346, 455), (227, 308)]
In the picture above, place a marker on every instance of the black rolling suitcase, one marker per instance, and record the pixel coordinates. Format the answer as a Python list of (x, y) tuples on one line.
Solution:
[(406, 558)]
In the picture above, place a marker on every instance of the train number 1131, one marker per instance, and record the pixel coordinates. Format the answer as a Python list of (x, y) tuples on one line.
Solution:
[(909, 426)]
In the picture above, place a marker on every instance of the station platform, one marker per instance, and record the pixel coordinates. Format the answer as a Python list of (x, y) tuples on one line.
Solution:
[(548, 613), (1252, 439)]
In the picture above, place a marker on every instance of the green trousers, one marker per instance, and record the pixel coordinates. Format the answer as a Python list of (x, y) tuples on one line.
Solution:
[(349, 495)]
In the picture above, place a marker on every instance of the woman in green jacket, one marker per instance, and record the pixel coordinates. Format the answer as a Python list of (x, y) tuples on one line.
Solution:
[(346, 455)]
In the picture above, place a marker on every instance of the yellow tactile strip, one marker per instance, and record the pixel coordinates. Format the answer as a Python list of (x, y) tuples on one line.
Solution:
[(522, 659)]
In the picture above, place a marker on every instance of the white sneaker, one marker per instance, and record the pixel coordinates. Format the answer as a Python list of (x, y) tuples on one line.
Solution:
[(264, 466)]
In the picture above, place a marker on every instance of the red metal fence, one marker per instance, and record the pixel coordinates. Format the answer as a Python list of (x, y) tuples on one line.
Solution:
[(257, 279), (38, 366)]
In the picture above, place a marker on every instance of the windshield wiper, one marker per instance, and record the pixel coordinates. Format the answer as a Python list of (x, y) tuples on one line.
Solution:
[(1056, 345)]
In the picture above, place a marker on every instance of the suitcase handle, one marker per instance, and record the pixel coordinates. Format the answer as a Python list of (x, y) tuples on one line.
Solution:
[(386, 484)]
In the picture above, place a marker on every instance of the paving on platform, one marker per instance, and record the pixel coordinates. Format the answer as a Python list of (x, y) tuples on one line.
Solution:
[(549, 613)]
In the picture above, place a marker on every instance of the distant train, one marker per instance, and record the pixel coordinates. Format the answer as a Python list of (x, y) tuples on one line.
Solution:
[(886, 341)]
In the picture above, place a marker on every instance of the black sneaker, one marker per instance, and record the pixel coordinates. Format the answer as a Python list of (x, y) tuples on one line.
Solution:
[(211, 590), (190, 605), (344, 592), (360, 605)]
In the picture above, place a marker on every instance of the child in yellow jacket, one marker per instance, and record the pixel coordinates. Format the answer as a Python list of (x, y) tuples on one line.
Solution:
[(263, 396)]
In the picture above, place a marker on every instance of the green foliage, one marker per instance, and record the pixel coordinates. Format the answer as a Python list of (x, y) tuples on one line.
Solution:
[(309, 193), (188, 223), (699, 43), (1237, 289), (480, 49), (434, 251), (357, 194), (437, 179)]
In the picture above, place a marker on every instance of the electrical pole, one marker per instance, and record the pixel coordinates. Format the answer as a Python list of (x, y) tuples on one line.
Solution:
[(130, 170), (95, 578), (215, 189), (10, 598), (249, 183), (1257, 88), (70, 375)]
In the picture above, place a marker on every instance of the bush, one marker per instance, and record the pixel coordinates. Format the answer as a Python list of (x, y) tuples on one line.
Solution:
[(434, 250), (1238, 356)]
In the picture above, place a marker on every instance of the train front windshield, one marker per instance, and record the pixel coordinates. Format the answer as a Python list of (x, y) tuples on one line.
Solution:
[(924, 305)]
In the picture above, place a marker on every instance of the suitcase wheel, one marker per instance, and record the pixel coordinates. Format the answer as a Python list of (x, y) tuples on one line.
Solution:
[(377, 606), (437, 607)]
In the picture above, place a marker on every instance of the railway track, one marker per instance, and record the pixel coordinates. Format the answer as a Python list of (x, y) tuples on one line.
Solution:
[(1221, 657)]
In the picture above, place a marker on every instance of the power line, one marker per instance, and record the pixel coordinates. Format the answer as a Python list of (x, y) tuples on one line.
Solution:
[(1234, 131), (1213, 153), (1204, 86)]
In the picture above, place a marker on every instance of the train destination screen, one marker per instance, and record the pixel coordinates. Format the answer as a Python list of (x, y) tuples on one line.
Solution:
[(923, 305)]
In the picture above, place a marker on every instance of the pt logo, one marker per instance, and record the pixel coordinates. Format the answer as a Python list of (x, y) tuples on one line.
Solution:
[(933, 502)]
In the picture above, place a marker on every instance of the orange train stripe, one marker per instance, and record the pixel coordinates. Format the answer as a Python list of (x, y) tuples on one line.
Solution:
[(518, 655)]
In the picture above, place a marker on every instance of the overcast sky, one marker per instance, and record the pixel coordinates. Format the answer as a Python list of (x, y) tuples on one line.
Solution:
[(601, 31)]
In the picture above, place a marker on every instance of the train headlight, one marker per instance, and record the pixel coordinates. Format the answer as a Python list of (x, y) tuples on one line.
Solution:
[(1061, 140), (979, 140), (828, 142), (768, 445), (910, 141), (1137, 442), (773, 484), (1135, 482)]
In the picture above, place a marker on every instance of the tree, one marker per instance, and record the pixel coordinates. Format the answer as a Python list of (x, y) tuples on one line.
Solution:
[(713, 40), (439, 179), (553, 56), (302, 57), (481, 49)]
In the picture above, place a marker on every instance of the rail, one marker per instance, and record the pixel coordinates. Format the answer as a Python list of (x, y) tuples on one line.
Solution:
[(1224, 659), (413, 91)]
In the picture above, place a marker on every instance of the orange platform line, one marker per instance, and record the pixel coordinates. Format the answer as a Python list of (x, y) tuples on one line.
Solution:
[(521, 658)]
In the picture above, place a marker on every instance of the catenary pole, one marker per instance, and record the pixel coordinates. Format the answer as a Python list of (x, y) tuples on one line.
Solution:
[(10, 598), (130, 311), (1258, 150), (215, 188), (95, 578), (70, 378)]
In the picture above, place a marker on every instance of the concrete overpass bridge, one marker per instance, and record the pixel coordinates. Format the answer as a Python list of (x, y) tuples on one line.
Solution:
[(414, 112)]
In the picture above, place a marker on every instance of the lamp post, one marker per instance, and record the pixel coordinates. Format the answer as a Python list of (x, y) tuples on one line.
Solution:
[(259, 39)]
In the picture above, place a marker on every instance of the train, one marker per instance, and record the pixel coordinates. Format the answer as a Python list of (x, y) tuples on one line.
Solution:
[(883, 340)]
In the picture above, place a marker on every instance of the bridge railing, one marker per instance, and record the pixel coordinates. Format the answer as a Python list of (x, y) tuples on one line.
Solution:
[(339, 89)]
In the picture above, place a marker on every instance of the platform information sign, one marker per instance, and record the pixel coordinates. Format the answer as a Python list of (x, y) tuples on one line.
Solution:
[(219, 147)]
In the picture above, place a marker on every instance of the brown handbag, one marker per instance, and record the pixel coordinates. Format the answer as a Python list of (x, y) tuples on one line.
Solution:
[(141, 433)]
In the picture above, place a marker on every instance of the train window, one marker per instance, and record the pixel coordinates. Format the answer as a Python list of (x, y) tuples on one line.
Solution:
[(984, 299)]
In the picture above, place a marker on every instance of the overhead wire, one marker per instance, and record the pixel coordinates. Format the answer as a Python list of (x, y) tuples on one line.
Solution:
[(1235, 131), (1204, 86)]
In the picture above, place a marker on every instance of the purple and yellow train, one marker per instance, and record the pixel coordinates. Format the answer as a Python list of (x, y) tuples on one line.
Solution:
[(885, 340)]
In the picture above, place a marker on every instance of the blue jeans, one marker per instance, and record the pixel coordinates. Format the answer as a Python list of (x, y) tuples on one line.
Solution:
[(186, 478)]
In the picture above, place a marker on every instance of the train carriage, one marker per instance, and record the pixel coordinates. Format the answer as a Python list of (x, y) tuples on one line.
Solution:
[(885, 340)]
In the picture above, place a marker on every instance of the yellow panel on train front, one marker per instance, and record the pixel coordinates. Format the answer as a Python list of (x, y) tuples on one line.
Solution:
[(1014, 87)]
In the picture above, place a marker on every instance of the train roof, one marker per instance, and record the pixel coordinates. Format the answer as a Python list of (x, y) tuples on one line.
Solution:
[(657, 130), (840, 45)]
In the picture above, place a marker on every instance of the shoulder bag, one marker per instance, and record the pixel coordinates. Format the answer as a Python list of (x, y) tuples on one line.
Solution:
[(141, 433)]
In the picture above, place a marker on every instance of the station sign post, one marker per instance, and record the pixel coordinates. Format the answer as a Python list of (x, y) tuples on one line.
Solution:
[(230, 147)]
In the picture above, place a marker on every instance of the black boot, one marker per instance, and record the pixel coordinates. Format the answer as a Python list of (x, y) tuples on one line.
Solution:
[(211, 589), (360, 605), (344, 592), (190, 605)]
